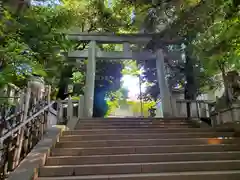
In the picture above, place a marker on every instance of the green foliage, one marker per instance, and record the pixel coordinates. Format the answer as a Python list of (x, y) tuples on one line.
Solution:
[(135, 107), (13, 62), (209, 29), (77, 77), (113, 101), (220, 45), (39, 32), (116, 99), (124, 93), (131, 68), (28, 46), (34, 41)]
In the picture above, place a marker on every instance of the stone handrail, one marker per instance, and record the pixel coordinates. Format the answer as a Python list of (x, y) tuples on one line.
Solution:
[(227, 115), (74, 108), (202, 110), (198, 108)]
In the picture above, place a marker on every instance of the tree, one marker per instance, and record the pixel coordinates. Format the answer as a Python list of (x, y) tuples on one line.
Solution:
[(37, 38), (184, 22), (16, 57), (218, 48)]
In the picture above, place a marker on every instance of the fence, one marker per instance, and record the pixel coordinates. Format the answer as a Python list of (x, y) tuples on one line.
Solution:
[(67, 109), (24, 116), (203, 110), (228, 115), (198, 108)]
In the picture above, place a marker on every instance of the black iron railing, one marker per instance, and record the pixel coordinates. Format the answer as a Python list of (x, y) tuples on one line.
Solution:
[(22, 127)]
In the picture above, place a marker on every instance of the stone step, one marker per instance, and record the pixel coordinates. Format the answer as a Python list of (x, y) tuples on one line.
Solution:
[(143, 130), (145, 136), (131, 122), (134, 168), (143, 149), (155, 122), (195, 175), (132, 119), (149, 126), (143, 142), (141, 158)]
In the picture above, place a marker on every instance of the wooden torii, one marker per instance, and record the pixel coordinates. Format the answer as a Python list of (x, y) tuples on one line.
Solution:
[(94, 53)]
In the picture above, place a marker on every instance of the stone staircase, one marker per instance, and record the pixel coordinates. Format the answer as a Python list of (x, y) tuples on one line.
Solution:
[(135, 149)]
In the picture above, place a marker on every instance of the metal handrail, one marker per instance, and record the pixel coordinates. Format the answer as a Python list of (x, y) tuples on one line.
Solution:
[(225, 110), (14, 130), (22, 129), (20, 140)]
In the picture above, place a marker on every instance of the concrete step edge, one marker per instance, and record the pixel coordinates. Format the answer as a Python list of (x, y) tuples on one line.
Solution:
[(176, 174), (156, 139), (150, 163), (158, 128), (152, 154), (129, 124), (135, 119), (114, 129), (160, 146), (143, 126), (152, 134), (134, 123)]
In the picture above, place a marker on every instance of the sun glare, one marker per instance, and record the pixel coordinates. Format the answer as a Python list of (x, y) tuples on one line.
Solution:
[(132, 84)]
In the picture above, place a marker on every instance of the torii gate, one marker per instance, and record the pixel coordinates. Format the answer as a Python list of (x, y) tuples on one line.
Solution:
[(93, 53)]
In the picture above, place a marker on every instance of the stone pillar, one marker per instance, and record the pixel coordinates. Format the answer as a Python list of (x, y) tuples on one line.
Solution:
[(168, 106), (90, 80)]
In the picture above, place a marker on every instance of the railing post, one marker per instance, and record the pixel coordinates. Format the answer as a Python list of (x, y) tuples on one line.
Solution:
[(59, 112), (19, 109), (69, 109), (197, 110), (25, 114), (48, 98), (81, 107), (217, 120), (49, 95), (235, 113), (208, 110)]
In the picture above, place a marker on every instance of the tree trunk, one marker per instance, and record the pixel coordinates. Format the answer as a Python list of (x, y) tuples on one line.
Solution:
[(66, 74), (190, 86), (221, 66)]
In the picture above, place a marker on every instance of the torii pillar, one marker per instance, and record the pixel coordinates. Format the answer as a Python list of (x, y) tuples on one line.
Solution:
[(90, 80), (168, 105)]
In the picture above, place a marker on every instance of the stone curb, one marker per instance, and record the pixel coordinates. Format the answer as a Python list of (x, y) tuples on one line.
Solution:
[(28, 168)]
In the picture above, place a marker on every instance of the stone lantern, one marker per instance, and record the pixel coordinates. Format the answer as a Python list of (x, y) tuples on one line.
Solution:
[(36, 84)]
